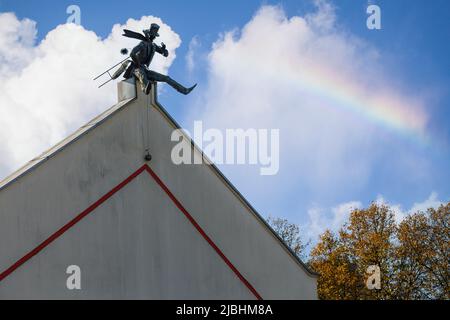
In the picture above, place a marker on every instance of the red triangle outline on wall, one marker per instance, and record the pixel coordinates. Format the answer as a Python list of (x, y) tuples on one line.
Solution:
[(108, 195)]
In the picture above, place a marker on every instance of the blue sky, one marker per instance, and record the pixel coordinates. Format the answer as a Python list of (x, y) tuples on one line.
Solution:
[(412, 51)]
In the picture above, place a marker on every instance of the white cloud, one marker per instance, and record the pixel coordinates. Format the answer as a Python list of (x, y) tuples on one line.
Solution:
[(321, 219), (325, 17), (399, 213), (16, 43), (323, 88), (46, 89), (431, 202), (342, 212), (194, 44)]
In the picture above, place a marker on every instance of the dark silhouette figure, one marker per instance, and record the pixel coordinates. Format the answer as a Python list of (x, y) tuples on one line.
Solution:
[(142, 56)]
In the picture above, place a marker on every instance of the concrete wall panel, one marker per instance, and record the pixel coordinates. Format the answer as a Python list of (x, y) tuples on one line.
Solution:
[(136, 245)]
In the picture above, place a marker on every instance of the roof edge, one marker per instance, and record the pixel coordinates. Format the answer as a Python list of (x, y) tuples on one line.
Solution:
[(52, 151), (96, 121), (219, 173)]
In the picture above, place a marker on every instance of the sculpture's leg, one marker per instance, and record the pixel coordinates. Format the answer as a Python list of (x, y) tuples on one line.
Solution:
[(155, 76), (143, 79)]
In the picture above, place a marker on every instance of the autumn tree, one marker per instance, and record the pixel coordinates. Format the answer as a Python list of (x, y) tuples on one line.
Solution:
[(423, 255), (290, 234), (438, 264), (368, 238), (342, 260), (413, 256), (338, 275), (411, 275)]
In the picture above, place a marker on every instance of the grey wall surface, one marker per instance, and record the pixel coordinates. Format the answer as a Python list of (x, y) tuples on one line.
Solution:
[(137, 244)]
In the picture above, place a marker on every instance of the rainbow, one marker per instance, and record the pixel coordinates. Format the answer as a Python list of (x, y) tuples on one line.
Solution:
[(404, 116)]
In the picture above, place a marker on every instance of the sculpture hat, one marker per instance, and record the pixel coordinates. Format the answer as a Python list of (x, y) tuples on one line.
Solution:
[(154, 28)]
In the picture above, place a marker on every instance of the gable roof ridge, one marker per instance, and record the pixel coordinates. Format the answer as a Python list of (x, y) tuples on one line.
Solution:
[(233, 189), (34, 163)]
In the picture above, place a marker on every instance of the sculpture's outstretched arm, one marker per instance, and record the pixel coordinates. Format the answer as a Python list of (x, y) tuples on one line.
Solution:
[(162, 49)]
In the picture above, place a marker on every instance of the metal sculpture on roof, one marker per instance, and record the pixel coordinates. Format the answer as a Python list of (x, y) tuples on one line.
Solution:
[(141, 57)]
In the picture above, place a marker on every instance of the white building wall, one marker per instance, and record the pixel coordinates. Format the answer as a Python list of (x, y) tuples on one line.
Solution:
[(137, 244)]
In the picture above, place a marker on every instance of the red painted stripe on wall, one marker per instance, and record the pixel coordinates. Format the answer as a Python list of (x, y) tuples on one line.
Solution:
[(202, 232), (108, 195)]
